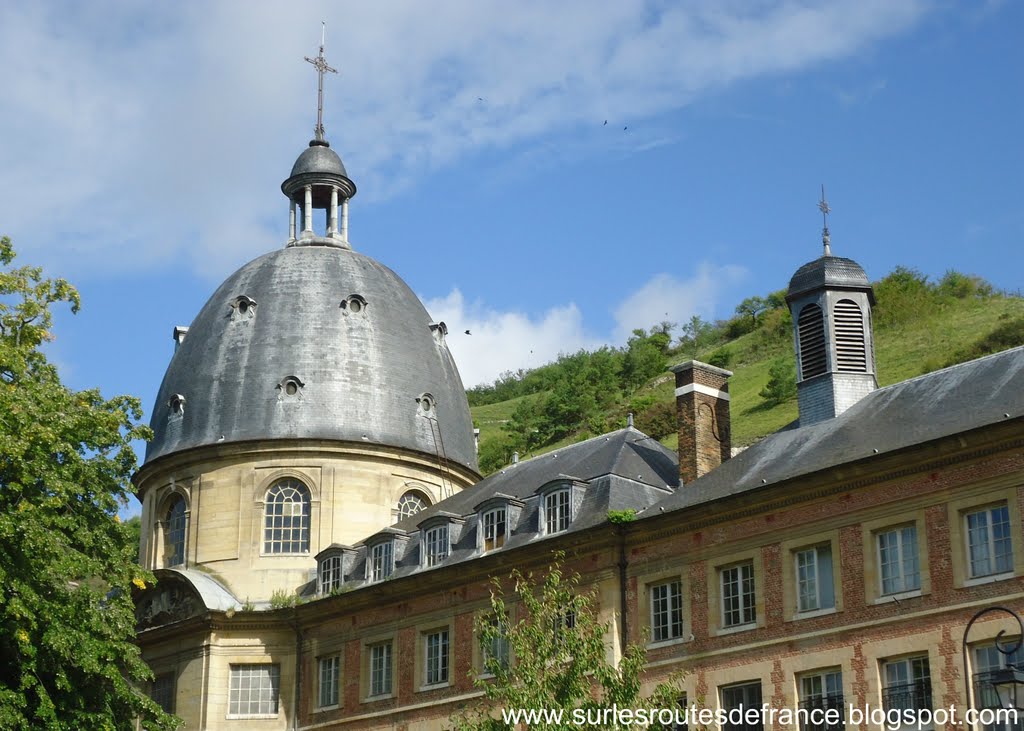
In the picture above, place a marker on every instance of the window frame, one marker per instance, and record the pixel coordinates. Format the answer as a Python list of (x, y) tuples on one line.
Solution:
[(901, 561), (827, 699), (497, 541), (819, 598), (959, 539), (380, 567), (334, 567), (872, 558), (275, 674), (432, 542), (743, 687), (334, 659), (909, 661), (387, 669), (175, 531), (560, 513), (671, 635), (990, 540), (269, 544), (437, 658), (744, 606)]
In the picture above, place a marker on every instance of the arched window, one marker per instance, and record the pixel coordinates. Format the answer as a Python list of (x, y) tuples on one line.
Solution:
[(811, 334), (851, 351), (411, 503), (286, 518), (174, 535)]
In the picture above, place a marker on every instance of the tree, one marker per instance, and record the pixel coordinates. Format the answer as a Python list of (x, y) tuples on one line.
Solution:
[(644, 358), (781, 384), (695, 334), (751, 307), (556, 658), (67, 622)]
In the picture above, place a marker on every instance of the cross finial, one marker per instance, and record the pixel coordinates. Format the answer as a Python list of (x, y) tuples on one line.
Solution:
[(320, 64), (825, 210)]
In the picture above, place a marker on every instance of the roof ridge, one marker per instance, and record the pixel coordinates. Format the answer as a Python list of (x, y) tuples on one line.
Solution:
[(574, 445)]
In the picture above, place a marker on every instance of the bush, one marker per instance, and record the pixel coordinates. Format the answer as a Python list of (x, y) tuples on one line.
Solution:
[(1008, 335), (781, 384), (658, 421), (721, 358), (961, 286)]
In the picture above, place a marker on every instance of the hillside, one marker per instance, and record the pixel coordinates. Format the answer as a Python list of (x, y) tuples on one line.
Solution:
[(919, 327)]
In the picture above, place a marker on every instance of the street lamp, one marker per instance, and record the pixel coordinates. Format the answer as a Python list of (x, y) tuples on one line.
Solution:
[(1007, 682)]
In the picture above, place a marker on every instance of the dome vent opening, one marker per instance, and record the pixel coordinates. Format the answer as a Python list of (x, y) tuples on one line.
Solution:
[(851, 347), (176, 406), (439, 330), (242, 308), (354, 303), (290, 388), (426, 404), (811, 329)]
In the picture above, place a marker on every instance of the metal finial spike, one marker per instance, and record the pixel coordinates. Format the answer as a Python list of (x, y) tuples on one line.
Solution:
[(321, 66), (825, 210)]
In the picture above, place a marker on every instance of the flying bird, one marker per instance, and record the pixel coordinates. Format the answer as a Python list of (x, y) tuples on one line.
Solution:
[(605, 123), (624, 129), (468, 332)]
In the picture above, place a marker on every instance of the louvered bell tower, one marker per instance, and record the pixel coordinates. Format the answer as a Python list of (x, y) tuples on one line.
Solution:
[(830, 299)]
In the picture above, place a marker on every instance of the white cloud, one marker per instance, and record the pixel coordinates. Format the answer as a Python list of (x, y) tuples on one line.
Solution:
[(139, 134), (501, 341), (666, 297)]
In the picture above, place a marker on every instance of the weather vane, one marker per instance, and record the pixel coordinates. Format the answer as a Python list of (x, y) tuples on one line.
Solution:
[(320, 64), (825, 210)]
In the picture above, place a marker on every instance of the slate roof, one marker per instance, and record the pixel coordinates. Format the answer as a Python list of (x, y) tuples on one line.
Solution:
[(616, 471), (950, 401), (834, 272)]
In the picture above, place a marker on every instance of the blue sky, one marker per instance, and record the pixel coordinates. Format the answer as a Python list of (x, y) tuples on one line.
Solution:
[(144, 146)]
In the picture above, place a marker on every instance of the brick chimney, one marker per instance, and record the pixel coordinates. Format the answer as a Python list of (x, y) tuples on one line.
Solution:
[(702, 406)]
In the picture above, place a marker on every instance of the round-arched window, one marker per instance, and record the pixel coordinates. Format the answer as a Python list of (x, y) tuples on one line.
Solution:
[(174, 532), (286, 517), (411, 503)]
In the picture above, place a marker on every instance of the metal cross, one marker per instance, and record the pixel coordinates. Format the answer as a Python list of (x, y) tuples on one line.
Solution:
[(320, 64), (825, 210)]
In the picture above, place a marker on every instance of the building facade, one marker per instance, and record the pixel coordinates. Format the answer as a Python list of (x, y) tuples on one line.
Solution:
[(324, 544)]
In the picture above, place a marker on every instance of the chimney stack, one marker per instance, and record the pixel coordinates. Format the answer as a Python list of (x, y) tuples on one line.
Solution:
[(702, 406)]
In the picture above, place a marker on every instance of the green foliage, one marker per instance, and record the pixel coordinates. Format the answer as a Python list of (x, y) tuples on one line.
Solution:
[(556, 663), (902, 296), (67, 565), (658, 420), (777, 300), (961, 286), (1007, 335), (721, 358), (644, 358), (280, 599), (622, 516), (697, 333), (781, 384), (752, 307)]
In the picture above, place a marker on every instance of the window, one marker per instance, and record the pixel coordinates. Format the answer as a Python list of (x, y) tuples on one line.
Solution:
[(738, 607), (330, 575), (411, 503), (174, 541), (680, 715), (254, 690), (666, 611), (908, 685), (897, 560), (435, 545), (737, 698), (380, 669), (435, 669), (162, 691), (987, 660), (988, 542), (822, 693), (381, 562), (557, 511), (811, 336), (563, 623), (814, 584), (494, 529), (494, 650), (330, 674), (286, 523)]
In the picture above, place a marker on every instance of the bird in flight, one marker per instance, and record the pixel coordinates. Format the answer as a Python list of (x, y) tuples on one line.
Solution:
[(468, 332), (605, 123)]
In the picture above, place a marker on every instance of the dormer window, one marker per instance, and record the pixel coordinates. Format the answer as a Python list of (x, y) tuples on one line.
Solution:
[(436, 545), (380, 561), (243, 308), (494, 528), (557, 507), (355, 304), (176, 405), (329, 574), (290, 388)]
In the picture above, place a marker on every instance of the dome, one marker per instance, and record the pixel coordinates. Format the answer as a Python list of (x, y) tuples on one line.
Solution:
[(314, 342), (833, 272), (319, 158)]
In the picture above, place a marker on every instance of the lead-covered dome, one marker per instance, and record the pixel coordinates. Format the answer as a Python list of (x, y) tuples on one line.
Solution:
[(314, 342), (832, 272)]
